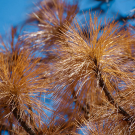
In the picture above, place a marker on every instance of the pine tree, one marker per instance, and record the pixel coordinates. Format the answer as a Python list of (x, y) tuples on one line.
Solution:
[(86, 74)]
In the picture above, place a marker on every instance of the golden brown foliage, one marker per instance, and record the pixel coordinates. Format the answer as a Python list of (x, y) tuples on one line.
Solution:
[(90, 78), (51, 17), (21, 84)]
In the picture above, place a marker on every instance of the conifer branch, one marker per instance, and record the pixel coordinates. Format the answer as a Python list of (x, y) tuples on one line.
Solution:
[(74, 64), (102, 84), (28, 129)]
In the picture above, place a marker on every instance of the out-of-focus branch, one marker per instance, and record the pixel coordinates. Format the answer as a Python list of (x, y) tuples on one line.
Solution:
[(83, 108), (4, 127)]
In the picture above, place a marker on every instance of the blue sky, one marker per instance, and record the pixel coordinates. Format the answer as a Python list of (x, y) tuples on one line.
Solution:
[(14, 12)]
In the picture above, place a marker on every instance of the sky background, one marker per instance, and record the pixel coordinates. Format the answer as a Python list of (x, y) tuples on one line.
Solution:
[(15, 12)]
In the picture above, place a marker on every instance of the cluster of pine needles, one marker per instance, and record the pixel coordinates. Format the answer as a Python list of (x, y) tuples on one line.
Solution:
[(63, 79)]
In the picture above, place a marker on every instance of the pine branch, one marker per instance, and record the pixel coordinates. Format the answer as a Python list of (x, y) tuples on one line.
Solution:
[(27, 128), (102, 84)]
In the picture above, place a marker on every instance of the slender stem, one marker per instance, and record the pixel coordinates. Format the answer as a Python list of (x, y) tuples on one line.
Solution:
[(16, 113), (27, 128), (102, 84)]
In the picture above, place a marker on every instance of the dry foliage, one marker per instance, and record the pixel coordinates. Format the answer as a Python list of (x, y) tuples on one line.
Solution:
[(89, 74)]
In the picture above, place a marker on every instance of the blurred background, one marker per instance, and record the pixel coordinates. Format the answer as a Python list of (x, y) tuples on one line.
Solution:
[(15, 12)]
